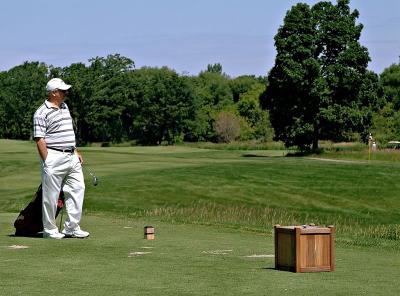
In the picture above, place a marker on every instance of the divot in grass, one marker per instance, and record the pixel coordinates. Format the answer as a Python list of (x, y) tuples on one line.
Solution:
[(260, 256), (217, 252), (136, 254), (17, 247)]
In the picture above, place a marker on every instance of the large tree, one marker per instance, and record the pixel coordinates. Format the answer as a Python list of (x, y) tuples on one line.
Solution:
[(319, 87)]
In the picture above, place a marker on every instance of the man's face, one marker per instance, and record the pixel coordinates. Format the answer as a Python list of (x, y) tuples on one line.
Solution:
[(61, 93)]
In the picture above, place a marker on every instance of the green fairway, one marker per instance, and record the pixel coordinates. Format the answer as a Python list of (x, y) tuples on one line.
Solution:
[(240, 189), (203, 203)]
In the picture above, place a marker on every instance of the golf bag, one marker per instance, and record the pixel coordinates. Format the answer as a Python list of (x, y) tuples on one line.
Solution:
[(29, 222)]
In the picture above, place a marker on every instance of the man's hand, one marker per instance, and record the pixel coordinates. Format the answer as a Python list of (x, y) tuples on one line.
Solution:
[(79, 156)]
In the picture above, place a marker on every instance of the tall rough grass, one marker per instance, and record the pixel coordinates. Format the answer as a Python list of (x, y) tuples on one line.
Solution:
[(263, 219), (358, 151)]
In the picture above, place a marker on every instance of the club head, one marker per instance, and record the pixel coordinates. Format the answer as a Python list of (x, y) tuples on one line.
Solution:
[(95, 180)]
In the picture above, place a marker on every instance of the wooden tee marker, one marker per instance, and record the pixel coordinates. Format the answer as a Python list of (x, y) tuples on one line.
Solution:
[(306, 248), (149, 232)]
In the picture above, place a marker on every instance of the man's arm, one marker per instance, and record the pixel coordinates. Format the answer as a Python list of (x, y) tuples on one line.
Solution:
[(42, 148), (79, 156)]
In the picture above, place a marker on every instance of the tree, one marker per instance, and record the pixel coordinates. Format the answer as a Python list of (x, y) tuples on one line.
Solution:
[(227, 126), (97, 99), (161, 103), (386, 121), (386, 124), (22, 91), (108, 102), (79, 97), (351, 89), (214, 68), (212, 95), (293, 83), (249, 109), (241, 85), (319, 87), (390, 80)]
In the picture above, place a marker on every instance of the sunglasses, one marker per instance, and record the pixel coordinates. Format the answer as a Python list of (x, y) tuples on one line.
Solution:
[(63, 91)]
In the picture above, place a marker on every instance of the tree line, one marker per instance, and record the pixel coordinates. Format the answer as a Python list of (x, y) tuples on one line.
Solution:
[(318, 89), (111, 101)]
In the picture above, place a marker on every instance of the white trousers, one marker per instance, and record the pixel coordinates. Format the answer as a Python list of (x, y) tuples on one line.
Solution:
[(62, 171)]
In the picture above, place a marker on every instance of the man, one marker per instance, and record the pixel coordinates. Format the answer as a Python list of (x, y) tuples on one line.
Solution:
[(60, 162)]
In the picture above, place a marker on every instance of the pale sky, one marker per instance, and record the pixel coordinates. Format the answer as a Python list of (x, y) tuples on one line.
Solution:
[(184, 35)]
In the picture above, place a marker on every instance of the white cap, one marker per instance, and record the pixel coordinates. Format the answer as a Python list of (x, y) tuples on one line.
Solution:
[(56, 83)]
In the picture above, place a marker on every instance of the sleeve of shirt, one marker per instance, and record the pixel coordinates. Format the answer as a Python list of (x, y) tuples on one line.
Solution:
[(39, 126)]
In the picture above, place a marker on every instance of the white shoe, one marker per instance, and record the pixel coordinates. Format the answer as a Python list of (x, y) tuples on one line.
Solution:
[(78, 233), (55, 235)]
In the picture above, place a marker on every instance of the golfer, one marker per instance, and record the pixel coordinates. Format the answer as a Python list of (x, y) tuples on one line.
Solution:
[(60, 162)]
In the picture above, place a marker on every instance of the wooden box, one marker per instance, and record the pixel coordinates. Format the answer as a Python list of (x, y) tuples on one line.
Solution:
[(149, 232), (306, 248)]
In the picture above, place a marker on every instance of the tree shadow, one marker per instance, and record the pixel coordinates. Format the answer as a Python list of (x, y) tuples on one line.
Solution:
[(304, 153), (262, 156), (254, 155)]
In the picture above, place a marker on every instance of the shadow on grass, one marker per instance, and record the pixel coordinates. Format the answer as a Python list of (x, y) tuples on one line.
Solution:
[(29, 236), (255, 155), (260, 155), (290, 154), (277, 270), (270, 268), (305, 153)]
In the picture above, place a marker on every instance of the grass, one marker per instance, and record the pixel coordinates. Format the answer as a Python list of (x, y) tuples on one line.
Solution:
[(241, 189), (206, 199), (184, 259)]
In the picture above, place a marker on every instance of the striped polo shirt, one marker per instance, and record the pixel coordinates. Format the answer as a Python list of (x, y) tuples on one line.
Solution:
[(54, 125)]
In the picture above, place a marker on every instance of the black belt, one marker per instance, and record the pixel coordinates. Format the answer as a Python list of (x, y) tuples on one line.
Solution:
[(68, 150)]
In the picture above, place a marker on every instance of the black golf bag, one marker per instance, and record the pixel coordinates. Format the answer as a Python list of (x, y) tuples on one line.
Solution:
[(29, 222)]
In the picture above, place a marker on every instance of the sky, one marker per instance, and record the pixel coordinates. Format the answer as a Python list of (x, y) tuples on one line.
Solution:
[(185, 35)]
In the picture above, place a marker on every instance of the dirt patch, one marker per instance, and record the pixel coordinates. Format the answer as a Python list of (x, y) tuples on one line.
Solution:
[(217, 252), (260, 256), (136, 254), (17, 247), (336, 160)]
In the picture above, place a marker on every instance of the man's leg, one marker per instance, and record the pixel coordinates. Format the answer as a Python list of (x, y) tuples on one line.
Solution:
[(52, 176), (74, 191)]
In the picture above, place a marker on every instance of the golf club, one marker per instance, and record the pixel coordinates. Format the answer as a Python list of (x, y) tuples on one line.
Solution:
[(95, 180)]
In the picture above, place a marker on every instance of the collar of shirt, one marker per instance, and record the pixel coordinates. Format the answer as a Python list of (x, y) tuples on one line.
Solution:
[(49, 105)]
